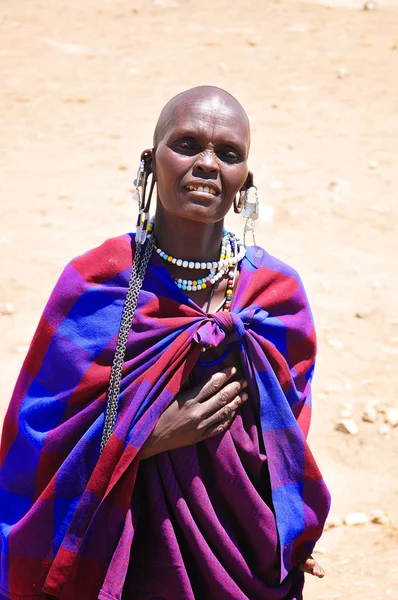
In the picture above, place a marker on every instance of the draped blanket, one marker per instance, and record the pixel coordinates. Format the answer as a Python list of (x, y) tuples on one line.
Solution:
[(228, 518)]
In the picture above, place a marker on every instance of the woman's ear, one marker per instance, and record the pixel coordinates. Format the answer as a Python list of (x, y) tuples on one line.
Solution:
[(239, 203), (148, 156), (249, 181)]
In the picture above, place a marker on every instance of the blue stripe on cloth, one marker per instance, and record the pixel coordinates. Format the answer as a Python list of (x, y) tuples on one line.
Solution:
[(58, 374), (22, 452), (290, 520), (40, 412), (63, 512), (12, 508), (93, 320), (275, 412)]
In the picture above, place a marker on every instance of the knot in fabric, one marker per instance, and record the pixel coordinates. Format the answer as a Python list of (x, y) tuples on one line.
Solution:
[(221, 327), (230, 323)]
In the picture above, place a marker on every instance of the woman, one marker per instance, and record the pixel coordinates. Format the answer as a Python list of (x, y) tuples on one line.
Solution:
[(164, 456)]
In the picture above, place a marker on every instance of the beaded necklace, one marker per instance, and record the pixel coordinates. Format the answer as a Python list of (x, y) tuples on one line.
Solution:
[(231, 253), (189, 264)]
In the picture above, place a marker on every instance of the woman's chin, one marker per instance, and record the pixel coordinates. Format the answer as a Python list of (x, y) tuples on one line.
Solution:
[(197, 208)]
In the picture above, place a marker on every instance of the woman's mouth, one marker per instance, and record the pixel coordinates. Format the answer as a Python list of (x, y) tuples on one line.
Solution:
[(202, 189)]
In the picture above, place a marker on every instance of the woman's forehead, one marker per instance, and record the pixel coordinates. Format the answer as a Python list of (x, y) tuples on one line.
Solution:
[(210, 127), (204, 113)]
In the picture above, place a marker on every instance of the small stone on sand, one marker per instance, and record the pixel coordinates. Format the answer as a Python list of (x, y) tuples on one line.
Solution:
[(363, 312), (7, 309), (342, 73), (345, 413), (348, 426), (385, 430), (338, 185), (370, 413), (358, 518), (391, 416), (379, 517)]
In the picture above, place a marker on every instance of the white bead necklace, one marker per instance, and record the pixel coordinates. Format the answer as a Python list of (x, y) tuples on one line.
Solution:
[(197, 265), (226, 259), (231, 253)]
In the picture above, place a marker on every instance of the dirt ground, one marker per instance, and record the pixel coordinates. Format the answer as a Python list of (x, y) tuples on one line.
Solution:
[(82, 84)]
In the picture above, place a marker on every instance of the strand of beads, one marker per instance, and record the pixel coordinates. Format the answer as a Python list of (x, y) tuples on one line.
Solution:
[(232, 252), (229, 291), (225, 254), (192, 285)]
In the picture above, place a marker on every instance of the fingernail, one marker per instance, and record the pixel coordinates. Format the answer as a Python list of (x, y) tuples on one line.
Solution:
[(244, 396), (229, 370)]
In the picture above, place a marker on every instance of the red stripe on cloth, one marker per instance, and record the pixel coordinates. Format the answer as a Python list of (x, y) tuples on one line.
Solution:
[(106, 261)]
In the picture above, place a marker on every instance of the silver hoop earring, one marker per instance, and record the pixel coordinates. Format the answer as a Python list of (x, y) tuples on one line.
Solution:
[(250, 212)]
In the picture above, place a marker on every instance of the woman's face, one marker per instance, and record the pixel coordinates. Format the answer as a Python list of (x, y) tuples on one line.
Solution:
[(200, 159)]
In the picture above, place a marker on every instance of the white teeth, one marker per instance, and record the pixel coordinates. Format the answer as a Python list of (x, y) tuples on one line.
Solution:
[(200, 188), (207, 190)]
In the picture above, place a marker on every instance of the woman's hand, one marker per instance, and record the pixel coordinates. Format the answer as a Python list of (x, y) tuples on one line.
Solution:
[(198, 413)]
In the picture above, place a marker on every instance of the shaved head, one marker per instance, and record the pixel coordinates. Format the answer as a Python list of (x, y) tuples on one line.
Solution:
[(217, 98)]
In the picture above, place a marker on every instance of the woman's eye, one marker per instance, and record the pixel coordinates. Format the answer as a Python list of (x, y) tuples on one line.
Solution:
[(230, 155), (186, 145)]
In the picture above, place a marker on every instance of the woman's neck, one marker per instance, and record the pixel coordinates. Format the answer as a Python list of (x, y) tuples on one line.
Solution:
[(186, 239)]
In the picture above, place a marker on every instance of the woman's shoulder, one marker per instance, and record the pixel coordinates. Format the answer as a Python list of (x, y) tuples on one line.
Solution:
[(108, 264), (258, 258), (105, 261)]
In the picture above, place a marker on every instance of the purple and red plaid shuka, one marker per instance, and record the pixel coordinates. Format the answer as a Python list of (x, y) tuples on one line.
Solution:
[(220, 520)]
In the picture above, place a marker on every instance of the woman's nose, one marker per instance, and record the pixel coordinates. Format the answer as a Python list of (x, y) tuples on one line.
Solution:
[(206, 162)]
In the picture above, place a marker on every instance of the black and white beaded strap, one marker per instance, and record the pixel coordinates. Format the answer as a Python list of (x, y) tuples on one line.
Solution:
[(140, 264)]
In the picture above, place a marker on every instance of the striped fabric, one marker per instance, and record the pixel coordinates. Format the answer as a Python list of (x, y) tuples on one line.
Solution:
[(228, 518)]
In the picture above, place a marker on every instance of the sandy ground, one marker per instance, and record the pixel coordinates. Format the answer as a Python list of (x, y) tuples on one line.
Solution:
[(82, 84)]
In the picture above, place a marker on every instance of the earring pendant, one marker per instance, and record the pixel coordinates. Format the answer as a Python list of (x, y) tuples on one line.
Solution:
[(143, 217), (250, 213), (138, 182)]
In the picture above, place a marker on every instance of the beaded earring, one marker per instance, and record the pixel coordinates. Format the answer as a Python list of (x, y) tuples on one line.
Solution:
[(250, 212), (140, 184)]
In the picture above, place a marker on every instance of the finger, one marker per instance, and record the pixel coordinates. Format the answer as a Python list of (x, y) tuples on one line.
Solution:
[(225, 412), (218, 428), (217, 381), (312, 567), (221, 398)]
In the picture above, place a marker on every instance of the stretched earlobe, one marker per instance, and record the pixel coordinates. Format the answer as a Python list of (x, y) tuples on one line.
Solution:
[(145, 171), (147, 156), (249, 181), (239, 202)]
